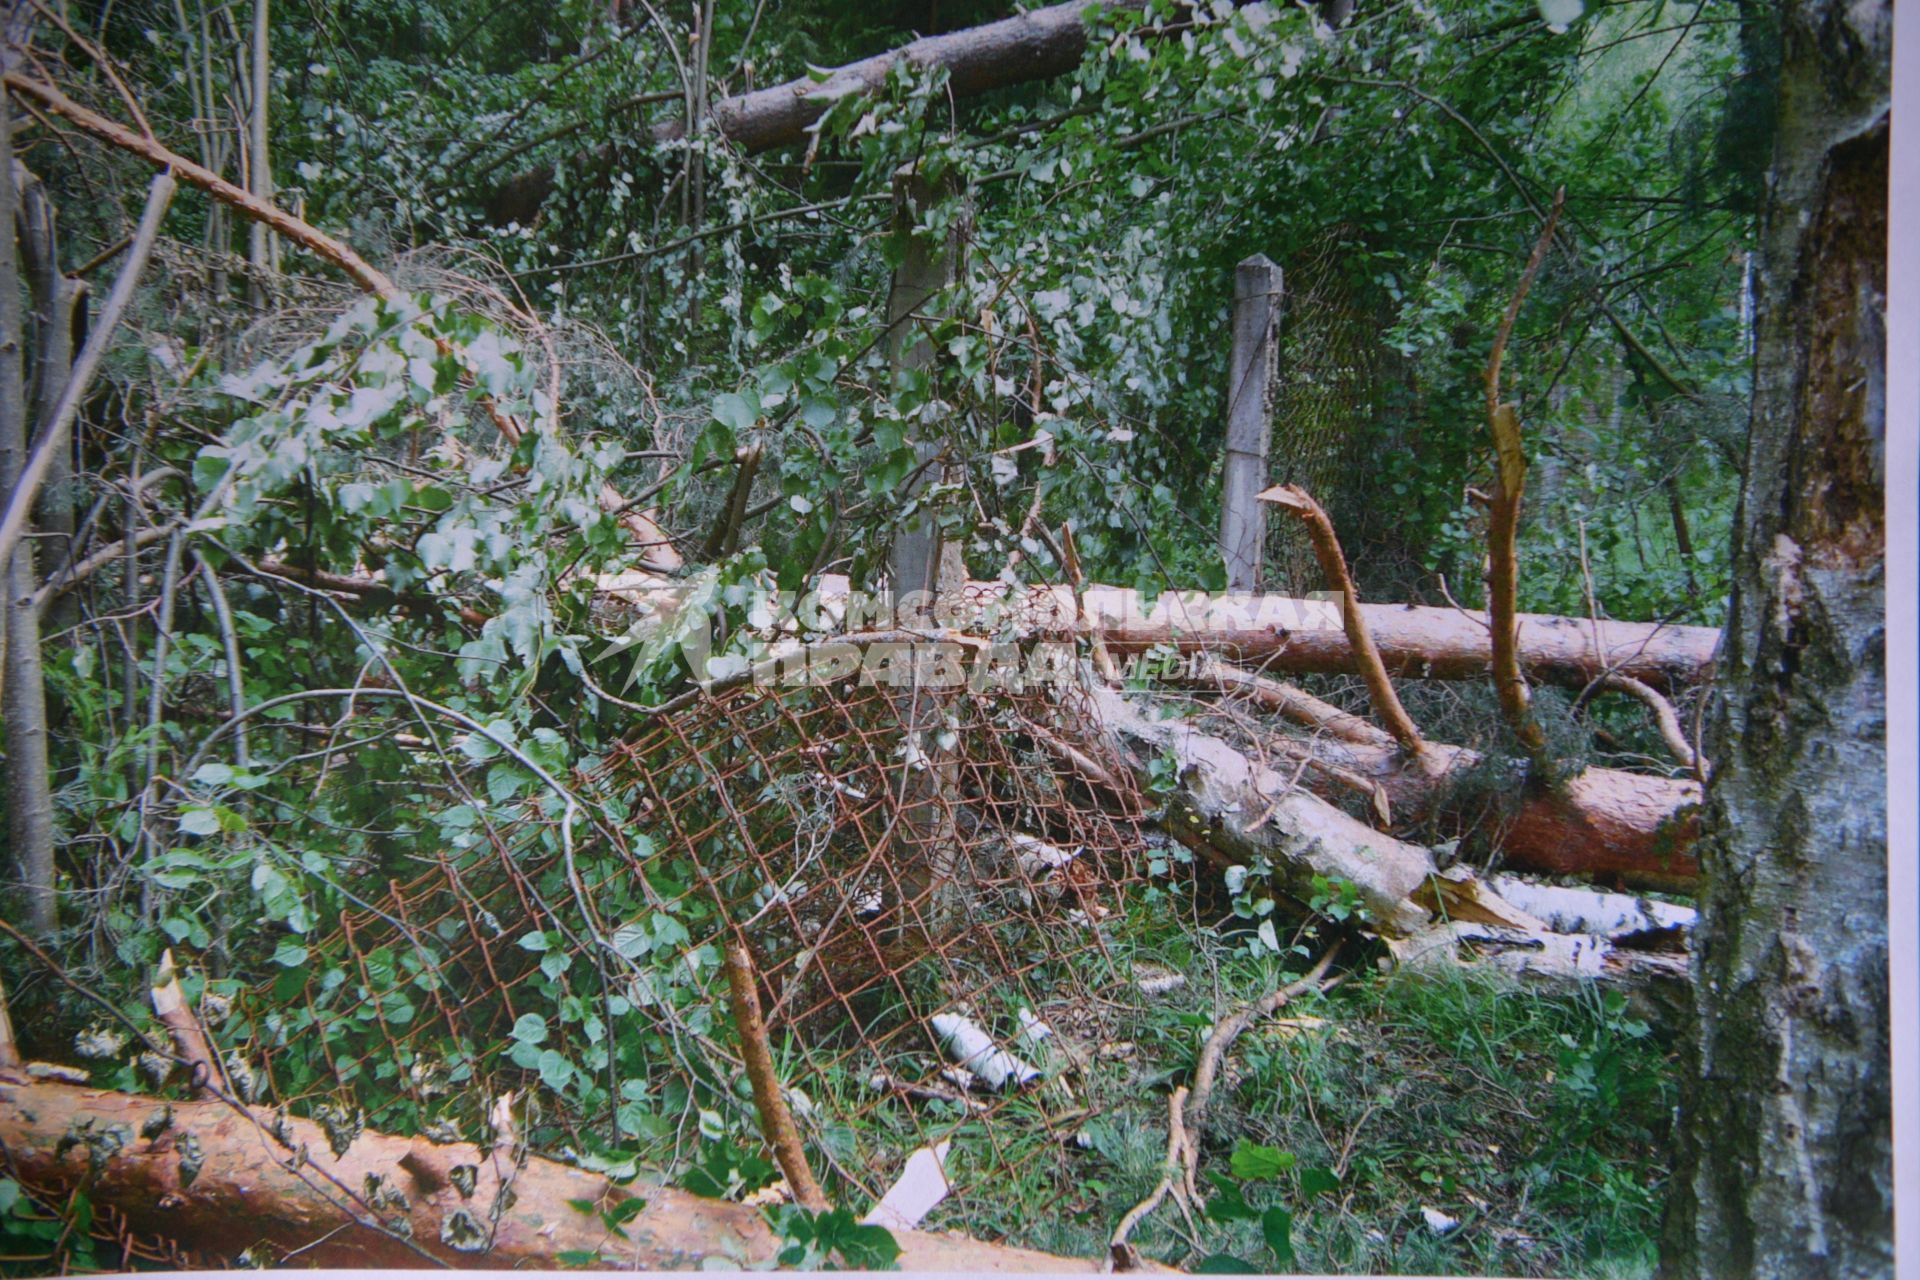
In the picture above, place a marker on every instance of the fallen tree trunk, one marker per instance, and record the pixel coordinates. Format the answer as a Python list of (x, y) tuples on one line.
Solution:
[(216, 1179), (1282, 633), (1235, 811), (1036, 45), (1603, 824)]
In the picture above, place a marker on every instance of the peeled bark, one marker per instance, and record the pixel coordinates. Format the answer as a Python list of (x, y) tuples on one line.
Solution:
[(1036, 45), (1785, 1155), (249, 1192)]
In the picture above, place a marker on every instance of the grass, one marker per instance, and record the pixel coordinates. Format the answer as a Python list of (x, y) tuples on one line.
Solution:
[(1538, 1123)]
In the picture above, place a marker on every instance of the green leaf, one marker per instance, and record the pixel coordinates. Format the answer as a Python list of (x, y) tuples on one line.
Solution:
[(1276, 1225), (199, 820), (624, 1212), (530, 1028), (555, 1071), (1316, 1181), (289, 954), (1252, 1162), (735, 411)]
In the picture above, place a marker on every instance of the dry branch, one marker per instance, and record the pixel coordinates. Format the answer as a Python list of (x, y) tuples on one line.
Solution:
[(1121, 1255), (1286, 700), (776, 1121), (170, 1006), (1666, 718), (253, 1192), (1333, 564), (1207, 1071)]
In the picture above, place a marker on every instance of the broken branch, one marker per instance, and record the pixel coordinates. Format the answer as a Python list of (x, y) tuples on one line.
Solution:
[(1333, 564)]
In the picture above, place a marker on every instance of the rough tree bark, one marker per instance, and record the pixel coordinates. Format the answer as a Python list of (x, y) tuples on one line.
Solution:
[(1785, 1159)]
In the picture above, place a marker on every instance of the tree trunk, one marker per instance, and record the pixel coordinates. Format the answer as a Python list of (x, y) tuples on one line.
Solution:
[(243, 1195), (1415, 641), (259, 164), (28, 786), (1035, 45), (55, 298), (1234, 811), (1284, 634), (1785, 1165), (1606, 824)]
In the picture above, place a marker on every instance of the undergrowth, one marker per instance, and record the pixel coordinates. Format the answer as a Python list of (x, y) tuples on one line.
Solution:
[(1533, 1127)]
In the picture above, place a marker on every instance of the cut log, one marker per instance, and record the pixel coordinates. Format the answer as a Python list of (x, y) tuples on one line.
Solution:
[(215, 1179), (1036, 45)]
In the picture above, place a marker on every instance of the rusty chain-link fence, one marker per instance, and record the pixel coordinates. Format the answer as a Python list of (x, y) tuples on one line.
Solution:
[(932, 917)]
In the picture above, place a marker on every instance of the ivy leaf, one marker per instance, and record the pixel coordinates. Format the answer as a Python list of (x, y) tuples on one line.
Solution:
[(555, 1071), (530, 1028)]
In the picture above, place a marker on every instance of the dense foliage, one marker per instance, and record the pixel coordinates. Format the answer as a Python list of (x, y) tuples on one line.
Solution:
[(671, 302)]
